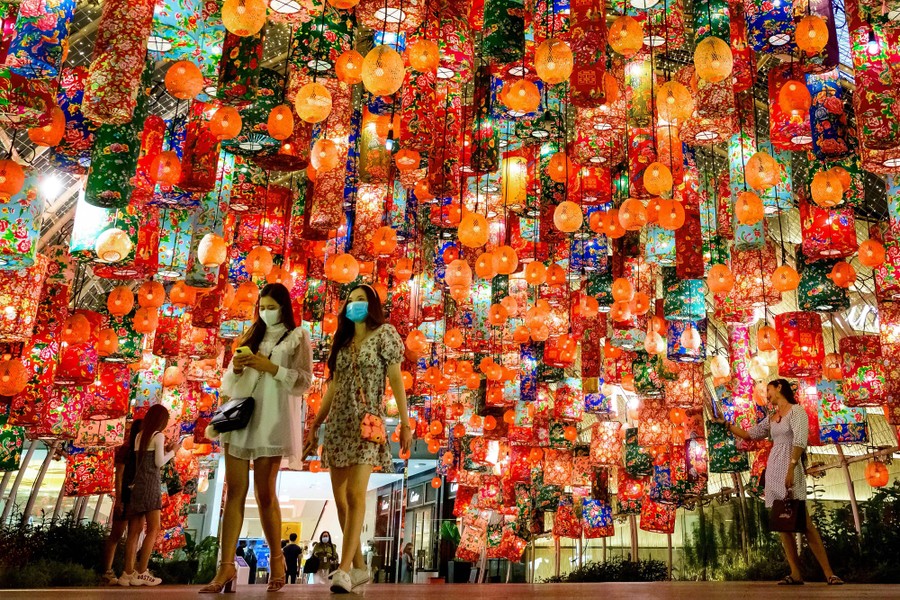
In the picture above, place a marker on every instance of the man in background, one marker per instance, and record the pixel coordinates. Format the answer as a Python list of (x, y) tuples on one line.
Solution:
[(292, 554)]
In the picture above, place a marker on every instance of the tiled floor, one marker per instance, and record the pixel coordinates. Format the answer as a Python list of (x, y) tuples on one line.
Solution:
[(598, 591)]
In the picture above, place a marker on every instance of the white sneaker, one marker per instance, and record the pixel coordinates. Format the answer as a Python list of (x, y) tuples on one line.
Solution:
[(359, 577), (341, 583), (145, 578), (125, 579)]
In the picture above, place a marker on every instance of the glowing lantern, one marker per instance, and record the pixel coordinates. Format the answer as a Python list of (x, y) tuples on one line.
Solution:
[(622, 290), (553, 61), (713, 60), (794, 98), (424, 55), (556, 275), (76, 330), (801, 348), (690, 338), (720, 279), (324, 155), (535, 273), (473, 230), (226, 123), (146, 320), (620, 311), (181, 294), (348, 67), (766, 339), (107, 342), (173, 376), (244, 17), (383, 71), (674, 102), (497, 315), (719, 367), (246, 294), (120, 301), (345, 268), (50, 134), (12, 178), (567, 217), (416, 342), (812, 34), (151, 294), (749, 208), (184, 80), (632, 214), (658, 179), (165, 168), (762, 171), (877, 474), (453, 338), (671, 214), (485, 265), (259, 261), (785, 278), (864, 381), (833, 367), (407, 160), (281, 122), (560, 168), (826, 189), (384, 241), (521, 96), (13, 377), (458, 273), (313, 102), (507, 260), (654, 343), (871, 253), (404, 269), (212, 250), (626, 36), (842, 274), (113, 245)]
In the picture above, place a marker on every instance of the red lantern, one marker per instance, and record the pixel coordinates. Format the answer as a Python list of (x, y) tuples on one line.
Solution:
[(801, 348)]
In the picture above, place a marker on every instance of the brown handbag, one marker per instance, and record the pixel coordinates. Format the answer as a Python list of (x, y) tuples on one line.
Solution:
[(788, 515)]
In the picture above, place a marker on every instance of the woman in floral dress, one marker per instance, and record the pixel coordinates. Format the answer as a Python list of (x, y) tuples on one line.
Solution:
[(364, 352)]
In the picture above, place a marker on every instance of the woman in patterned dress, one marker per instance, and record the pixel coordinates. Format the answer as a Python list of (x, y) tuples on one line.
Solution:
[(788, 427), (364, 352)]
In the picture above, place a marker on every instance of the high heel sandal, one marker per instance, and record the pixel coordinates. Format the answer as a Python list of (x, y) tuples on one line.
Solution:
[(276, 583), (216, 587)]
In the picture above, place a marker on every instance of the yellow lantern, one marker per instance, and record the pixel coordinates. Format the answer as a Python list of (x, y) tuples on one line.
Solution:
[(244, 17), (626, 36), (113, 245), (313, 102), (514, 181), (658, 179), (553, 61), (674, 102), (383, 71), (713, 60)]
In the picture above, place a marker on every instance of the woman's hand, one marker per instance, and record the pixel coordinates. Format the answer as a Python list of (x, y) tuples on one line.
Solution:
[(789, 479), (405, 437), (260, 363), (311, 445), (170, 447)]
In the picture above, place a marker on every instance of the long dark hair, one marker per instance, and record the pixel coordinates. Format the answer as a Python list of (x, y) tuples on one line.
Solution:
[(345, 327), (156, 419), (282, 296), (787, 390)]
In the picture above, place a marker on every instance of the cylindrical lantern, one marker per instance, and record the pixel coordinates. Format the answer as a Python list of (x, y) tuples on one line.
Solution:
[(109, 396), (73, 153), (676, 350), (827, 233), (816, 291), (21, 218), (89, 472), (200, 152), (40, 43), (239, 68), (801, 348), (864, 375), (20, 294), (828, 116)]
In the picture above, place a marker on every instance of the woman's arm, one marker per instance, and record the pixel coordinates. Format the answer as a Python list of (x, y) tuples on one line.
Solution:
[(396, 380), (757, 432), (311, 444), (298, 375), (160, 456)]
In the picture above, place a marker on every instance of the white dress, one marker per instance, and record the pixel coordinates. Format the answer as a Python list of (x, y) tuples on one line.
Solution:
[(790, 432), (276, 427)]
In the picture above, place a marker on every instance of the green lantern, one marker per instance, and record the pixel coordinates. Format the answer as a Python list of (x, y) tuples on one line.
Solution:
[(816, 292), (684, 299)]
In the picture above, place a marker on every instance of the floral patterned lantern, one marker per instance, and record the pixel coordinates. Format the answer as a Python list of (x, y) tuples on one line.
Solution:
[(657, 517), (24, 103), (239, 68), (108, 398), (173, 324), (788, 130), (106, 433), (752, 271), (20, 225), (20, 294), (12, 440), (676, 350), (200, 152), (801, 348), (684, 299), (78, 361), (89, 471), (770, 26), (60, 412), (630, 491), (864, 372), (827, 233), (687, 389), (606, 443), (391, 15), (73, 153), (654, 427), (40, 41), (839, 423), (828, 116)]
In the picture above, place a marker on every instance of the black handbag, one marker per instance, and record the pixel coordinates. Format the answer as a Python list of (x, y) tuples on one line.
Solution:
[(788, 516), (236, 413)]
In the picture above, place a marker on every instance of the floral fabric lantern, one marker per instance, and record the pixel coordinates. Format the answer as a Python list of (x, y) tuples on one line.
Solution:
[(24, 103), (73, 153), (21, 218), (40, 41), (657, 517), (20, 294), (566, 523), (801, 347), (146, 384), (724, 457), (687, 390), (684, 299), (109, 396), (827, 233), (606, 443), (808, 397), (816, 291), (630, 492), (12, 440), (838, 422), (239, 68), (173, 323), (78, 361), (864, 373), (752, 271), (107, 433), (770, 27), (255, 136), (597, 518), (788, 130), (145, 261), (678, 352), (61, 411), (200, 152), (827, 115), (654, 427), (89, 471), (114, 82)]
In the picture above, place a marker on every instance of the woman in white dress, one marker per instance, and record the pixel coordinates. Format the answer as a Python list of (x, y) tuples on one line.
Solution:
[(276, 375)]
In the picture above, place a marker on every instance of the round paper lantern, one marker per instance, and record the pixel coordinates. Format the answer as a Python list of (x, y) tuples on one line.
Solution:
[(485, 266), (348, 67), (384, 241), (749, 208), (244, 17), (280, 275), (622, 290), (324, 155), (812, 34), (671, 214), (345, 268), (766, 339), (785, 278), (407, 160), (107, 342), (259, 261), (151, 294), (165, 168), (12, 178), (507, 260), (640, 303), (13, 377), (403, 269), (184, 80), (560, 168), (246, 294), (794, 98), (225, 123), (567, 217), (535, 273), (497, 315), (554, 61), (50, 134), (181, 294), (416, 342), (877, 473), (120, 301), (173, 376), (654, 343), (713, 60), (453, 338), (473, 230), (383, 71), (76, 330), (674, 102), (146, 320), (424, 55), (632, 214), (833, 366), (871, 253), (521, 96), (112, 245), (719, 367), (826, 189), (843, 274), (658, 179), (720, 279), (313, 102), (212, 250), (458, 273), (762, 172), (626, 36), (281, 122)]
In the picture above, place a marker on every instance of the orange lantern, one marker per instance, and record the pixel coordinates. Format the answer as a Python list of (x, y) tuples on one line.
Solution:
[(345, 268), (568, 217), (313, 102), (622, 290), (225, 123), (12, 178), (77, 329), (766, 339), (146, 319), (383, 71), (535, 273), (671, 214), (560, 168), (713, 60), (458, 273), (473, 230), (281, 122), (485, 265), (720, 279), (794, 98), (877, 474), (785, 278), (811, 34), (212, 250), (181, 294), (50, 134), (244, 17), (416, 342), (620, 311), (13, 377), (556, 275), (184, 80), (871, 253), (626, 36), (403, 269), (384, 241), (674, 102), (165, 168), (407, 160), (833, 367), (107, 342), (348, 67), (658, 179), (173, 376), (749, 208), (120, 301), (554, 61), (640, 304), (151, 294), (507, 260), (453, 338), (762, 172), (259, 261), (843, 274), (246, 294), (498, 315), (826, 189), (424, 55), (324, 155), (632, 215), (521, 96)]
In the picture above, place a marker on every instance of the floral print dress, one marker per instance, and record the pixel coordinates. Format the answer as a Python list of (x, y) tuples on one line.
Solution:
[(344, 446)]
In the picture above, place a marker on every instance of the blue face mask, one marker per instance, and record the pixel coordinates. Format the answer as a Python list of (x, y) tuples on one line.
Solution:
[(357, 311)]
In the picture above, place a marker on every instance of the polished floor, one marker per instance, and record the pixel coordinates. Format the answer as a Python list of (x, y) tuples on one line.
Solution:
[(595, 591)]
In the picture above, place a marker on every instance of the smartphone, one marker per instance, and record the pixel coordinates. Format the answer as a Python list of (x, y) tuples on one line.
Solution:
[(243, 351)]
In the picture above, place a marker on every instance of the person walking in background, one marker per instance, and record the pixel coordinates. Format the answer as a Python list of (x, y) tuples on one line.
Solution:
[(407, 564), (124, 462), (292, 554), (365, 351), (325, 553), (145, 499), (241, 549), (310, 566), (788, 427), (252, 561), (275, 370)]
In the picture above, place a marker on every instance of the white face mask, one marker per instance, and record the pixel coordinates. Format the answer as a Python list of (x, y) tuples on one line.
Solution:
[(326, 539), (270, 316)]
